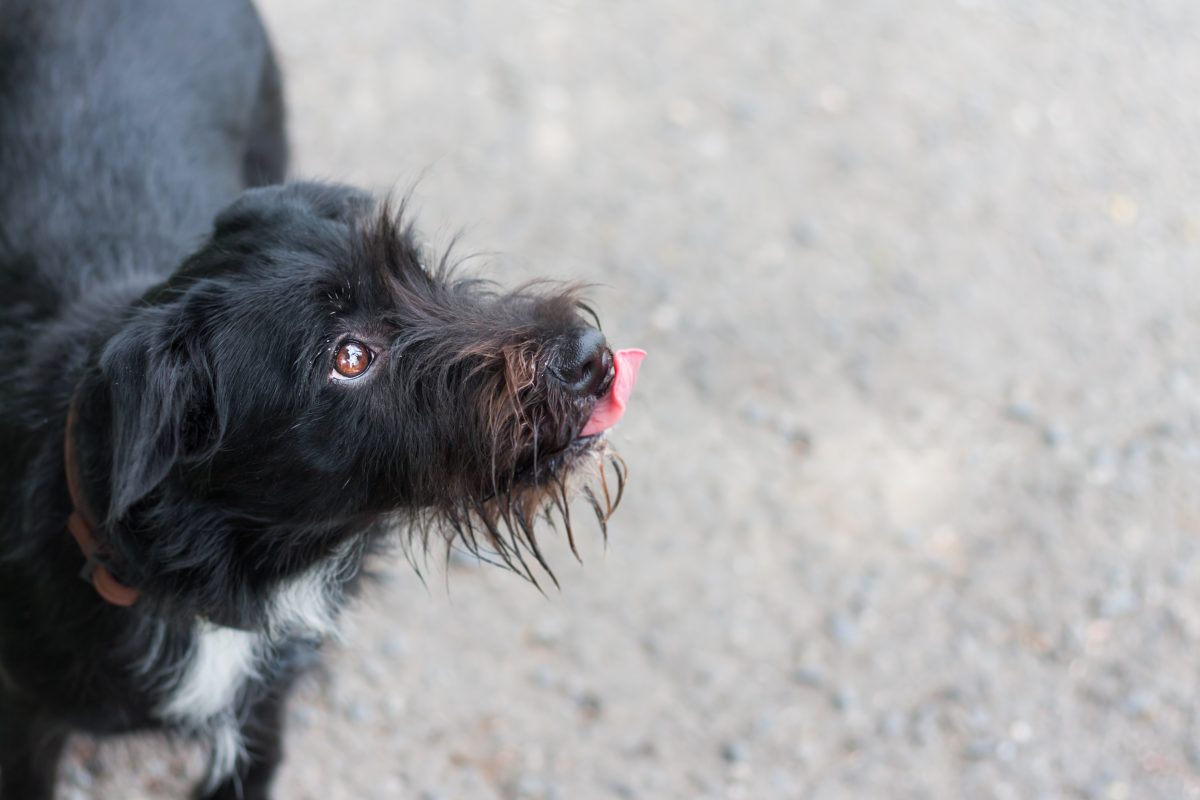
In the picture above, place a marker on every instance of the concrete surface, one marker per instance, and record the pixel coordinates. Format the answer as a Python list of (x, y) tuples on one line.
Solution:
[(914, 509)]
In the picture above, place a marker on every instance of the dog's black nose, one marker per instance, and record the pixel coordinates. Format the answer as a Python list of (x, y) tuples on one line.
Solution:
[(585, 365)]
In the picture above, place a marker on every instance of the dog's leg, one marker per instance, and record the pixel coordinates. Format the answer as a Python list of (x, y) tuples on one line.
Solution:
[(30, 747), (262, 733)]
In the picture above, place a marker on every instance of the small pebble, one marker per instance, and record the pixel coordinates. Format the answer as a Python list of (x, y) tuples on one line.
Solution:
[(802, 233), (809, 676), (546, 677), (844, 700), (734, 752), (590, 706), (979, 749), (622, 790), (842, 627), (891, 724)]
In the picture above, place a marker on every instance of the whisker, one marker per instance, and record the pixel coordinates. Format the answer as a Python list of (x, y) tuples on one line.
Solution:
[(495, 537), (601, 517), (622, 471), (516, 547), (564, 509), (591, 312), (548, 515), (608, 504), (465, 530), (531, 540)]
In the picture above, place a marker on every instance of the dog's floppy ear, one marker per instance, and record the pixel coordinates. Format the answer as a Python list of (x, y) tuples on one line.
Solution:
[(256, 208), (161, 401)]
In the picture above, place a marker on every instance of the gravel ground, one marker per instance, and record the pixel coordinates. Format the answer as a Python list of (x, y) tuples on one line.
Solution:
[(913, 510)]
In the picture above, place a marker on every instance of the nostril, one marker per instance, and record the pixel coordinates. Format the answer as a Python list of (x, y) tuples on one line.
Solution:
[(596, 373), (585, 366)]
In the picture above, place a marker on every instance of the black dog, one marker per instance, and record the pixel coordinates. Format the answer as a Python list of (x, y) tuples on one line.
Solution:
[(215, 421)]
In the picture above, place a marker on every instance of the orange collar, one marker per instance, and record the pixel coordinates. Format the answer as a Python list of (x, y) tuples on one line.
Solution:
[(79, 523)]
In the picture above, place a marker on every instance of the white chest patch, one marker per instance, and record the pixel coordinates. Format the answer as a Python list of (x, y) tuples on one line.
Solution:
[(307, 605), (222, 660)]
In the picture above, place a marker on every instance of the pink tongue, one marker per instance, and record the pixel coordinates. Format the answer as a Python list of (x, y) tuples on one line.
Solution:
[(610, 409)]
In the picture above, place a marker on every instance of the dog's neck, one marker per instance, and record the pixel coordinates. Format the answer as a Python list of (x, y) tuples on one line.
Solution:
[(81, 524)]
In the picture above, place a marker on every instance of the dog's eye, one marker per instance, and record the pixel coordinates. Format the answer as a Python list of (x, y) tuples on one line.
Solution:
[(352, 359)]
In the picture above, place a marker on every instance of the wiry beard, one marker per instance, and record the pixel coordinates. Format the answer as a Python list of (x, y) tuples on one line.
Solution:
[(502, 529)]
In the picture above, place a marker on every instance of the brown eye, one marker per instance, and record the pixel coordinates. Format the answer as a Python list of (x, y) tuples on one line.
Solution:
[(352, 360)]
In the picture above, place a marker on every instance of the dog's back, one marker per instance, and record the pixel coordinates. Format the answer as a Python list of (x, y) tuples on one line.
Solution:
[(124, 126)]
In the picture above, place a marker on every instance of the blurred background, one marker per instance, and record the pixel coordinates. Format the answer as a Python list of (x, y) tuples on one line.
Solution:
[(913, 509)]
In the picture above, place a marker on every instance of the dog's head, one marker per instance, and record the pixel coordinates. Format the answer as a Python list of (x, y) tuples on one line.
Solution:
[(308, 373)]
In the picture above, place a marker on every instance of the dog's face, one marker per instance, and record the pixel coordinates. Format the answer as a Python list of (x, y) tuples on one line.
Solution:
[(307, 372)]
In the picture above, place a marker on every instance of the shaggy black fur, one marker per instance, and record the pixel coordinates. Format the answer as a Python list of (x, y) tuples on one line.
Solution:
[(197, 333)]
